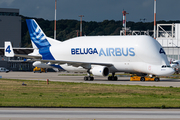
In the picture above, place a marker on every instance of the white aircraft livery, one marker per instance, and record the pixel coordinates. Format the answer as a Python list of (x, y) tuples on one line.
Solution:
[(98, 55)]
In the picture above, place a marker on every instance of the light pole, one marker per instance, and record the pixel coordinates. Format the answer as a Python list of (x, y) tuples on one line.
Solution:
[(77, 32), (55, 21), (81, 24), (154, 19), (124, 20)]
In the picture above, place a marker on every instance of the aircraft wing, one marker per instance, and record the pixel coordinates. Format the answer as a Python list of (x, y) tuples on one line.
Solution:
[(28, 56), (75, 63)]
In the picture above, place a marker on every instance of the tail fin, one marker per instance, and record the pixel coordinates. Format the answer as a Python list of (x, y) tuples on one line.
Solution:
[(37, 35), (8, 49)]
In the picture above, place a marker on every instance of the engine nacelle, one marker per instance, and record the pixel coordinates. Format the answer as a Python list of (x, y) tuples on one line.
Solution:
[(39, 64), (100, 71)]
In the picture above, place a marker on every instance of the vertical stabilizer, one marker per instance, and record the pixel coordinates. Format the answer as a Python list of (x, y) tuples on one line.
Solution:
[(37, 35)]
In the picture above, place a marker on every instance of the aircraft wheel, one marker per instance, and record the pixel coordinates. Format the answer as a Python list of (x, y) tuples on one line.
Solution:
[(110, 78), (142, 79), (85, 78), (115, 78), (156, 79), (91, 78)]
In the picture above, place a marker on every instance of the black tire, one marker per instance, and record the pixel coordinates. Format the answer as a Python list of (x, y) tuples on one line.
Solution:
[(85, 78), (110, 78), (115, 78), (156, 79), (142, 79), (91, 78)]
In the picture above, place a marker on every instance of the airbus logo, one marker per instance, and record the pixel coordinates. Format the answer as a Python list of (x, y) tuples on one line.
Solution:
[(117, 52), (104, 51)]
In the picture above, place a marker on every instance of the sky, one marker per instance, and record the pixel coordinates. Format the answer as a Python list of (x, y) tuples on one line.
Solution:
[(96, 10)]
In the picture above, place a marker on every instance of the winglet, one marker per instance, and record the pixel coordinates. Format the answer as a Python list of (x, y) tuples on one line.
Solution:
[(8, 49)]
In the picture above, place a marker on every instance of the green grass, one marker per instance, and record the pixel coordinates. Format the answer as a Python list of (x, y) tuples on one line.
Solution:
[(62, 94)]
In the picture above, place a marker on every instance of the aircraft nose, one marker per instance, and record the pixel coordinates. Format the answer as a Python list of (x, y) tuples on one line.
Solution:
[(170, 71)]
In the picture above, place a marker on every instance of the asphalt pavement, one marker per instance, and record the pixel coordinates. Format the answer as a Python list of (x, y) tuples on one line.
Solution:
[(87, 114), (56, 76)]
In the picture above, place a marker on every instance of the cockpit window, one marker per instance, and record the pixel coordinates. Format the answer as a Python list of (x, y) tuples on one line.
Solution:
[(164, 66)]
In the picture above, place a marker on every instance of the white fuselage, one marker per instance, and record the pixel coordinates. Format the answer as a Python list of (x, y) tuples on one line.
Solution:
[(141, 54)]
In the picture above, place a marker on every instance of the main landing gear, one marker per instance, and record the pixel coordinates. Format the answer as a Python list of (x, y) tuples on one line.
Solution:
[(113, 78), (90, 78)]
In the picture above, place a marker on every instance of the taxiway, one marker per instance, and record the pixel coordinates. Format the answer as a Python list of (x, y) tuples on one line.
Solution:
[(55, 76)]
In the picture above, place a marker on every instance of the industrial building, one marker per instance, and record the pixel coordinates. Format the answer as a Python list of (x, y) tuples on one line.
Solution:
[(168, 35), (10, 26), (10, 30)]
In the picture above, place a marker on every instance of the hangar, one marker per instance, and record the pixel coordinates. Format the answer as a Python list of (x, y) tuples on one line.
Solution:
[(10, 30)]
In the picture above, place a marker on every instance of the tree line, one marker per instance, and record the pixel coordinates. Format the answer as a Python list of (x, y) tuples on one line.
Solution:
[(66, 29)]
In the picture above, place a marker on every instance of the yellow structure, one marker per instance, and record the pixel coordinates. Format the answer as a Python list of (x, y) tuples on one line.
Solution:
[(138, 78), (36, 69)]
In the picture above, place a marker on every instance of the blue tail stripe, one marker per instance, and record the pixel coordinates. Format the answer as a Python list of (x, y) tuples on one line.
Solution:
[(36, 34), (46, 54), (39, 39)]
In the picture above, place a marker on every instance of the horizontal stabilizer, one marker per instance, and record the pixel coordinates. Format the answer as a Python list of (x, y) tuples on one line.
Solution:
[(8, 49), (29, 56)]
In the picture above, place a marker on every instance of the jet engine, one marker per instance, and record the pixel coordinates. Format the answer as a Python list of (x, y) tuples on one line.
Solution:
[(100, 71), (41, 65)]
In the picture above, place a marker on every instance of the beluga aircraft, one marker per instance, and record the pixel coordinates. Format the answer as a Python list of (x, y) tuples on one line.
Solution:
[(98, 55)]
